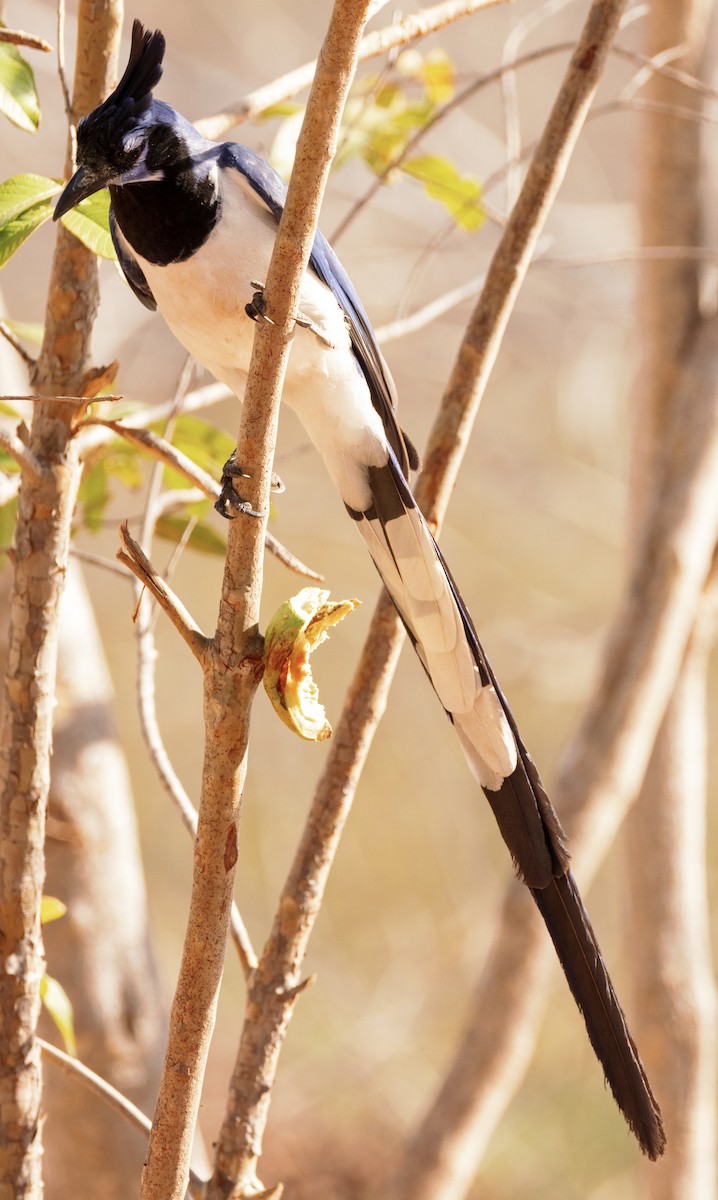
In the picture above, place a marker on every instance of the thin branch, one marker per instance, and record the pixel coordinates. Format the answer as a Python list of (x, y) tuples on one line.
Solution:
[(171, 781), (427, 314), (157, 503), (381, 41), (109, 1095), (16, 37), (445, 110), (22, 454), (98, 1085), (38, 398), (134, 558), (163, 451), (15, 342), (98, 560), (509, 61), (63, 77)]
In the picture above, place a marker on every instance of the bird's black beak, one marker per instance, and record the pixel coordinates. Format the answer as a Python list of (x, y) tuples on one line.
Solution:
[(82, 185)]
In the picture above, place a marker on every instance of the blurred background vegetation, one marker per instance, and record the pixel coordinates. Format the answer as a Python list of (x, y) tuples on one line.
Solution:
[(536, 537)]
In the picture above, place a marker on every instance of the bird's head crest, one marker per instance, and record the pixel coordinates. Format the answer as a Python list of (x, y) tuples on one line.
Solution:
[(102, 134)]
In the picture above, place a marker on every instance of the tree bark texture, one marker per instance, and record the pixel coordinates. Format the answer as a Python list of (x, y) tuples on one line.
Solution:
[(666, 833)]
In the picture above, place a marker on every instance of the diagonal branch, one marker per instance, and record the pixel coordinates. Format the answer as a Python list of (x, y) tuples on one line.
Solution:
[(134, 558), (381, 41)]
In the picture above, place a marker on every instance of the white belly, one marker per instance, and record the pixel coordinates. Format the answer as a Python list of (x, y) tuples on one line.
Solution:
[(203, 301)]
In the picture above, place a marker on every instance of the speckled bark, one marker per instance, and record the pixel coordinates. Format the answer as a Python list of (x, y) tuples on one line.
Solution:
[(46, 503)]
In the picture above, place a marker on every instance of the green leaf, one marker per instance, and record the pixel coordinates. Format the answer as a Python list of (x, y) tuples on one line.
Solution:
[(206, 445), (94, 494), (8, 515), (57, 1003), (22, 192), (28, 331), (460, 194), (285, 108), (24, 205), (434, 70), (18, 96), (51, 909), (203, 537), (90, 222), (7, 410)]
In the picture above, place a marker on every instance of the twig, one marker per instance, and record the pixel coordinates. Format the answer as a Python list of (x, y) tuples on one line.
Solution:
[(134, 558), (16, 344), (509, 61), (98, 560), (16, 37), (428, 313), (22, 454), (73, 400), (157, 502), (380, 41), (62, 76), (98, 1085), (445, 110), (110, 1095), (163, 451)]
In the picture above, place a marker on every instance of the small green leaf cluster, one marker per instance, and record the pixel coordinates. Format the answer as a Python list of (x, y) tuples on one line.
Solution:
[(25, 204), (119, 461), (18, 94), (383, 116)]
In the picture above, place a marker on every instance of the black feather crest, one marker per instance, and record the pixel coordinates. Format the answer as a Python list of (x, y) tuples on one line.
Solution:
[(100, 132)]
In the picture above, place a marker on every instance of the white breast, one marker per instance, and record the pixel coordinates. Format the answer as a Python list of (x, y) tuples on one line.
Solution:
[(203, 301)]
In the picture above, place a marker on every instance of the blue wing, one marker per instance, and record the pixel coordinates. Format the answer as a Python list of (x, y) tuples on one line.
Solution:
[(131, 269), (272, 190)]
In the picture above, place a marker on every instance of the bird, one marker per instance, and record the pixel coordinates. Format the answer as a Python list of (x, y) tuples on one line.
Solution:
[(193, 223)]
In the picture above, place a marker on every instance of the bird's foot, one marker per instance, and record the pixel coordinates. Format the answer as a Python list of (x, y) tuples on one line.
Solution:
[(307, 323), (228, 504), (256, 310)]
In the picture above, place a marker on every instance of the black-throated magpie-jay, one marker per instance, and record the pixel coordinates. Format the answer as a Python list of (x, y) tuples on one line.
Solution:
[(193, 224)]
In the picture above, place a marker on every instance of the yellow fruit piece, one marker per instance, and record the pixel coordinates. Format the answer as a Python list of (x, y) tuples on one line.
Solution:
[(296, 629)]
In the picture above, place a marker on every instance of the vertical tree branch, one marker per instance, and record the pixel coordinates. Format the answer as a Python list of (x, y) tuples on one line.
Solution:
[(234, 663), (40, 558), (674, 979)]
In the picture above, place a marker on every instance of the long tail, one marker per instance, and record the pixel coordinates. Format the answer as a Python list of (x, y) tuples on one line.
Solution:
[(444, 637)]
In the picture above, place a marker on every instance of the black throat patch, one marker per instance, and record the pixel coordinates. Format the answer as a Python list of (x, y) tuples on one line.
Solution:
[(167, 220)]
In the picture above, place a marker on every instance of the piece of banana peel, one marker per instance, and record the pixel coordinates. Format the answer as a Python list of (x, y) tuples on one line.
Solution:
[(300, 625)]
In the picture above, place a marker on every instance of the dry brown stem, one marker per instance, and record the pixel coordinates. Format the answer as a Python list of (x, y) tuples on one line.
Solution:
[(133, 557), (239, 1143), (16, 37), (408, 30), (234, 661), (45, 508)]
